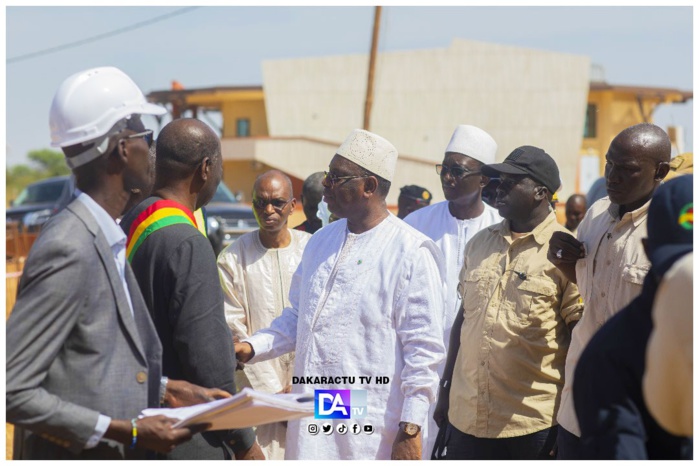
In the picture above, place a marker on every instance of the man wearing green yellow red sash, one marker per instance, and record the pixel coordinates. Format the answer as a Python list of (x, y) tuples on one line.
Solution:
[(176, 270)]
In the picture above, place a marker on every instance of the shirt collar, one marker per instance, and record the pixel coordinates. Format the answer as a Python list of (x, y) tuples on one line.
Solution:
[(539, 233), (109, 227), (636, 216)]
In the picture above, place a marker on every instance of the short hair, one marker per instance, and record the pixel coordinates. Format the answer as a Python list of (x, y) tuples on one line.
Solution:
[(182, 145), (276, 174)]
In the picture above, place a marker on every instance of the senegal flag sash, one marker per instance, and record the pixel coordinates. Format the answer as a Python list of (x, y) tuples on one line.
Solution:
[(158, 215)]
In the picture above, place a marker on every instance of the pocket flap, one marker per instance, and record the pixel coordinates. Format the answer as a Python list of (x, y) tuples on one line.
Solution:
[(634, 273), (538, 285)]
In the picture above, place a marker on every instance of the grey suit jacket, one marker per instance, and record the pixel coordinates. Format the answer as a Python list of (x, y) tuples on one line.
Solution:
[(73, 348)]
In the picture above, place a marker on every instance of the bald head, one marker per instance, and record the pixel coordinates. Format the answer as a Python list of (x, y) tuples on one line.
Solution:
[(576, 207), (637, 161), (275, 177), (645, 140), (182, 145)]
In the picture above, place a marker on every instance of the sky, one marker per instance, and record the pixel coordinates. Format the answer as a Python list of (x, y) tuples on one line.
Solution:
[(225, 46)]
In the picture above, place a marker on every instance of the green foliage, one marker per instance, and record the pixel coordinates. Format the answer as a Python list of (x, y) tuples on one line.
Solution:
[(45, 163)]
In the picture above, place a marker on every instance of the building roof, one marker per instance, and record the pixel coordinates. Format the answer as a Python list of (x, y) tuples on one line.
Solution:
[(211, 95), (664, 93)]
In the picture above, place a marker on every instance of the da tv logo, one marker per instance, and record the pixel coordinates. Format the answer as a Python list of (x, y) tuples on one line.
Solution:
[(340, 404)]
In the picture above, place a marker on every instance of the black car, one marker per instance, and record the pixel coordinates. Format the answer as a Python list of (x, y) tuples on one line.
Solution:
[(227, 218), (39, 201)]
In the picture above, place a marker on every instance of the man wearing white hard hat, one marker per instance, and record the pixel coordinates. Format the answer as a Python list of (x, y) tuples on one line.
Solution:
[(366, 301), (83, 357), (453, 222)]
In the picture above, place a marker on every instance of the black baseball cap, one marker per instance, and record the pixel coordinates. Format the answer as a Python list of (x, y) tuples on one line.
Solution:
[(530, 161), (417, 193), (670, 223)]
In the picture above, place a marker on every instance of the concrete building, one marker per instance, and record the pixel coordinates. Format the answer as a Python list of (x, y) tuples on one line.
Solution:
[(520, 96)]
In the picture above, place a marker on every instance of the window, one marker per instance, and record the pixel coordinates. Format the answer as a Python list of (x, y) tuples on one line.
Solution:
[(590, 121), (242, 127)]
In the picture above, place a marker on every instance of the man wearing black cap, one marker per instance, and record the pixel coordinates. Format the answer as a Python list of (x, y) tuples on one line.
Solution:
[(606, 259), (504, 372), (412, 197), (614, 419)]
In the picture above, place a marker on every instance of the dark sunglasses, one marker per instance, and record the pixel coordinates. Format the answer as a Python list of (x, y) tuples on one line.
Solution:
[(278, 204), (333, 179), (147, 135), (456, 171)]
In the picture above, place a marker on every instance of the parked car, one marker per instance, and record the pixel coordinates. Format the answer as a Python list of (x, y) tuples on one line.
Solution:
[(227, 218), (39, 201)]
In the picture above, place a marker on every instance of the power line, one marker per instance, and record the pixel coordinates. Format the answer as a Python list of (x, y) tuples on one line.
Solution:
[(99, 36)]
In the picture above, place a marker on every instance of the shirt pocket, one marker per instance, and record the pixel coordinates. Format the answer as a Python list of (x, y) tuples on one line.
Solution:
[(535, 303), (634, 274), (476, 290)]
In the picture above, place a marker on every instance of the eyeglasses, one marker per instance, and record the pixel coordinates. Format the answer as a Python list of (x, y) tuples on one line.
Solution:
[(332, 178), (147, 135), (456, 171), (278, 204)]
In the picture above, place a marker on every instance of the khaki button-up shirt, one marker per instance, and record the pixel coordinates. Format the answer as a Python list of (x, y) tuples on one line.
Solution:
[(609, 277), (509, 370)]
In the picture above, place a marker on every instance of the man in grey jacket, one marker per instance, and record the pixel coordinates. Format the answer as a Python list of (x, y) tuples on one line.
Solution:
[(83, 357)]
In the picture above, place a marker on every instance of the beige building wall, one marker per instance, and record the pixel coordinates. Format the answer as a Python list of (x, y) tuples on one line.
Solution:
[(520, 96)]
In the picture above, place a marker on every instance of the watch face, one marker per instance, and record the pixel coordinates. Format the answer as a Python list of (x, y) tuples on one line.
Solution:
[(409, 428)]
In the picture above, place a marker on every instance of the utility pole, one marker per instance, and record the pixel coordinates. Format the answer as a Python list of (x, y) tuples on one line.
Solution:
[(372, 64)]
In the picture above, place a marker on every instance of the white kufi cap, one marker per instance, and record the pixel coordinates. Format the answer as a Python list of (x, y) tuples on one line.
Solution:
[(473, 142), (370, 151)]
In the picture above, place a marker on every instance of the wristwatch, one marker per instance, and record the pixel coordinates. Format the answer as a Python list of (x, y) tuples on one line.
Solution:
[(409, 428)]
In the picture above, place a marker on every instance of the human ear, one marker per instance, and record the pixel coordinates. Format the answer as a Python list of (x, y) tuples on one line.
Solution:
[(661, 171), (371, 184)]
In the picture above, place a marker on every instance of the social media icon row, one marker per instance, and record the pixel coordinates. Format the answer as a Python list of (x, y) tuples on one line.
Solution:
[(341, 428)]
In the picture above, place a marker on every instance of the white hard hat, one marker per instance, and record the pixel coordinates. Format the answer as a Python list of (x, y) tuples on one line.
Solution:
[(89, 105)]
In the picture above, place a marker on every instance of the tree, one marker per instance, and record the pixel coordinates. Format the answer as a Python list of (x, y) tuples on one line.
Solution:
[(45, 163)]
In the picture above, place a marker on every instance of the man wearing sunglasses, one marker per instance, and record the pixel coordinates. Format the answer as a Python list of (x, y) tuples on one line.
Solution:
[(365, 301), (175, 268), (453, 222), (83, 358), (255, 272)]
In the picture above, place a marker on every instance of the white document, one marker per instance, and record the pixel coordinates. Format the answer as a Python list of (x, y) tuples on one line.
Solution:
[(247, 408)]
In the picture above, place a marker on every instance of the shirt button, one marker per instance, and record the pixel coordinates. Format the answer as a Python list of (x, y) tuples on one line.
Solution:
[(141, 377), (482, 363), (603, 295)]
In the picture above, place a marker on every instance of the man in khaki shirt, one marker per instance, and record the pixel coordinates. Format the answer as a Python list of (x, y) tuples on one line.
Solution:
[(607, 259), (504, 373)]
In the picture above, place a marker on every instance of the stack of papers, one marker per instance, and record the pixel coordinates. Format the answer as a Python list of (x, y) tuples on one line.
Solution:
[(247, 408)]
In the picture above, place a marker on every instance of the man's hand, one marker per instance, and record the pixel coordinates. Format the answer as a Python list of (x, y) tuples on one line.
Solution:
[(244, 351), (441, 410), (153, 433), (253, 453), (406, 447), (180, 393), (286, 389), (564, 251)]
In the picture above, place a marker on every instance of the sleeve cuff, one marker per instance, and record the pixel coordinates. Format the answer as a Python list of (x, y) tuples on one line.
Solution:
[(260, 345), (415, 411), (100, 429)]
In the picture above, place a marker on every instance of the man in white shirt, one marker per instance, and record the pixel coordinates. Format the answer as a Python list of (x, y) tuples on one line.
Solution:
[(366, 301), (453, 222), (255, 273)]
